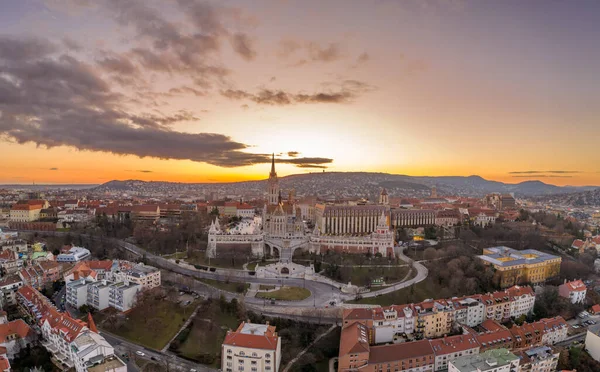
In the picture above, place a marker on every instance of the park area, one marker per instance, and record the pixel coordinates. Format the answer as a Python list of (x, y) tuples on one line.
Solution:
[(286, 294), (153, 323)]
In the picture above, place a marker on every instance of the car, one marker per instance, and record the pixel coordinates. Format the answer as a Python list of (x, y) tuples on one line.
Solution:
[(576, 326), (576, 342), (193, 370), (140, 353)]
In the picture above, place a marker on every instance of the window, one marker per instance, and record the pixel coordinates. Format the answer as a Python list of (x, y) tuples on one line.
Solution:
[(267, 355)]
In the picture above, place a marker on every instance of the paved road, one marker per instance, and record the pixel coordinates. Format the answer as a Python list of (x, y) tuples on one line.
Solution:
[(422, 273), (123, 346), (321, 293)]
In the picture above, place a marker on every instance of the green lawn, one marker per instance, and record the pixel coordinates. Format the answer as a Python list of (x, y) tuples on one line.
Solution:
[(264, 287), (158, 327), (229, 287), (203, 338), (225, 263), (419, 292), (363, 276), (286, 294)]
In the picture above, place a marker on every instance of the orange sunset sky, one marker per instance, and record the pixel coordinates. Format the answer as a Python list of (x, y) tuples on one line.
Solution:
[(201, 91)]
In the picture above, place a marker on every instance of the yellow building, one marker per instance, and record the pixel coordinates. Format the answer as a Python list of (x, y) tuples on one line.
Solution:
[(515, 267)]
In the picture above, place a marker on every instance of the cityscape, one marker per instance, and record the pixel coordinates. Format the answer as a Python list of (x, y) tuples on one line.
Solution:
[(299, 186)]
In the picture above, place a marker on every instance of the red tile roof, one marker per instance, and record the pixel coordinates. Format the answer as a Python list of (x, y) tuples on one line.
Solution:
[(16, 327), (354, 339), (596, 309), (61, 323), (407, 350), (454, 344), (266, 341), (576, 286)]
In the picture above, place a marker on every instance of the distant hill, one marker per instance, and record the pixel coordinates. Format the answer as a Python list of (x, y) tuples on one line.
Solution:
[(349, 184), (589, 198), (42, 187)]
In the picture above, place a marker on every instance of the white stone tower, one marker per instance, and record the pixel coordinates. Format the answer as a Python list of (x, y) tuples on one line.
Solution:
[(273, 185)]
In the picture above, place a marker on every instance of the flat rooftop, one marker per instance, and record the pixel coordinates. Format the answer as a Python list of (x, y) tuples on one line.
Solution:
[(506, 257), (107, 365), (254, 329), (487, 361)]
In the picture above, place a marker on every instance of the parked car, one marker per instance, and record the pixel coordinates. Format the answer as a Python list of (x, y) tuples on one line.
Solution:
[(140, 353), (576, 326)]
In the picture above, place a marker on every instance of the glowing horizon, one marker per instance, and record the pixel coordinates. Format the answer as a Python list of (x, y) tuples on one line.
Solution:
[(203, 91)]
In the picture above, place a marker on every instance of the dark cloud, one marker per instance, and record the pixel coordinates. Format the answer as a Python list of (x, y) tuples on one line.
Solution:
[(272, 79), (293, 154), (243, 46), (245, 107), (23, 48), (61, 101), (542, 176), (118, 64), (309, 51), (550, 171), (71, 44), (311, 166), (145, 171), (53, 169), (185, 89), (345, 92), (305, 161)]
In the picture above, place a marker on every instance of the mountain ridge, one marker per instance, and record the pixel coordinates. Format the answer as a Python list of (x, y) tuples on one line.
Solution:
[(363, 183)]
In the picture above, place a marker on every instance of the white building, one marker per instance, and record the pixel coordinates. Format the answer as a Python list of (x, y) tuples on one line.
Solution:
[(72, 342), (592, 342), (122, 295), (98, 295), (251, 348), (146, 276), (75, 254), (575, 291), (554, 331), (522, 300), (451, 348), (77, 292)]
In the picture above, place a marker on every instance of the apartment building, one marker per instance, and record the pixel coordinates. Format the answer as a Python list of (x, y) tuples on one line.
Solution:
[(575, 291), (70, 341), (77, 292), (146, 276), (447, 349), (40, 273), (122, 295), (437, 318), (98, 295), (252, 348), (497, 360), (538, 359), (14, 336), (8, 289)]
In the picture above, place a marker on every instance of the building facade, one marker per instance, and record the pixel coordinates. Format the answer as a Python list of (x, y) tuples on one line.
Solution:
[(253, 348)]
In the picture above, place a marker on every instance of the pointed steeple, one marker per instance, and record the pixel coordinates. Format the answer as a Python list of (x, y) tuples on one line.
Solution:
[(273, 173), (91, 323)]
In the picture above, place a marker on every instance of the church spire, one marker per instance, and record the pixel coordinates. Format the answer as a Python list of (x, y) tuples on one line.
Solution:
[(273, 173)]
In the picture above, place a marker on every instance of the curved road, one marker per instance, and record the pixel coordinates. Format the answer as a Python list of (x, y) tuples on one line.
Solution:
[(321, 293), (422, 273)]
